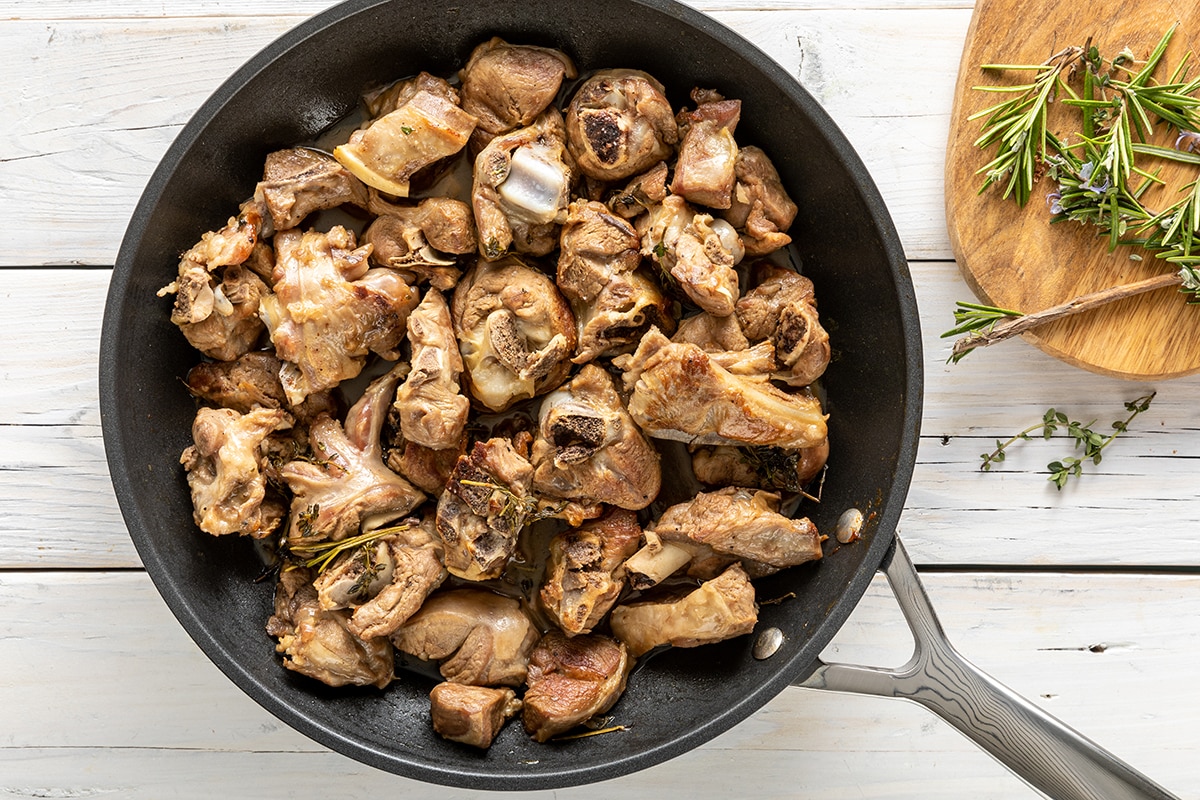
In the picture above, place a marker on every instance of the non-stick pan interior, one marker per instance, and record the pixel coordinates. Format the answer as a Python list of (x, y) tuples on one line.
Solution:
[(306, 81)]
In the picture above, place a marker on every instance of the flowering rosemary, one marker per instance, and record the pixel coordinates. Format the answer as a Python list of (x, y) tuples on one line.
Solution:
[(1099, 179)]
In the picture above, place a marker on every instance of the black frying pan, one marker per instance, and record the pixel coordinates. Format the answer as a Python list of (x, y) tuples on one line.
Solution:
[(844, 237)]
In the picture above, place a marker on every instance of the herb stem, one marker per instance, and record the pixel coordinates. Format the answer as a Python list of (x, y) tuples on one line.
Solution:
[(1018, 325)]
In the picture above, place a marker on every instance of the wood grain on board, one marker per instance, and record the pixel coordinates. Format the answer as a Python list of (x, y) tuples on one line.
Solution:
[(1012, 256)]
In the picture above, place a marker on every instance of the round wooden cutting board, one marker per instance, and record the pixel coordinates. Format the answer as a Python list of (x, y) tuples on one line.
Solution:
[(1013, 257)]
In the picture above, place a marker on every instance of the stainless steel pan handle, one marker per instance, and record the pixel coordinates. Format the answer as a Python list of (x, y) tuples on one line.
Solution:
[(1049, 755)]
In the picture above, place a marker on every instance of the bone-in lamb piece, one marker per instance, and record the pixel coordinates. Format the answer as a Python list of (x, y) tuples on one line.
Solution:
[(506, 86), (571, 680), (760, 207), (680, 392), (584, 575), (471, 714), (705, 169), (483, 509), (720, 609), (329, 310), (783, 308), (613, 302), (318, 643), (763, 467), (425, 129), (521, 188), (588, 447), (224, 471), (431, 408), (479, 638), (745, 524), (698, 251), (298, 181), (347, 487), (515, 332), (385, 582), (619, 123), (234, 327), (252, 381), (383, 100)]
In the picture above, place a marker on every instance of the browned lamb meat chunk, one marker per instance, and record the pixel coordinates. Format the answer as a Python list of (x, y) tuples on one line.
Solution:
[(480, 638), (782, 307), (584, 573), (318, 643), (588, 447), (571, 680), (484, 508), (431, 408), (696, 250), (347, 487), (760, 207), (506, 86), (742, 524), (299, 181), (720, 609), (705, 171), (471, 714), (224, 471)]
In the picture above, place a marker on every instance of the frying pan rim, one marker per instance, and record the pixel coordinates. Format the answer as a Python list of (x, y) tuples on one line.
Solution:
[(783, 674)]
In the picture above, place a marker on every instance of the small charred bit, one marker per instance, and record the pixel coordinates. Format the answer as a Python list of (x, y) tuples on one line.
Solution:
[(471, 714), (720, 609), (589, 449), (696, 250), (424, 129), (225, 471), (571, 680), (613, 303), (348, 489), (432, 410), (782, 307), (507, 86), (480, 638), (584, 572), (705, 170), (620, 123), (738, 523), (681, 392), (298, 181), (641, 193), (384, 581), (760, 208), (361, 310), (515, 332), (486, 503), (318, 643), (521, 188)]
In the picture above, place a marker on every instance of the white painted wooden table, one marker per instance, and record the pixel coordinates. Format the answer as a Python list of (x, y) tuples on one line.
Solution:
[(1085, 601)]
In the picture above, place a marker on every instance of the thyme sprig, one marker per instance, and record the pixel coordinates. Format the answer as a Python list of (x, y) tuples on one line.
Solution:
[(1084, 436), (322, 554)]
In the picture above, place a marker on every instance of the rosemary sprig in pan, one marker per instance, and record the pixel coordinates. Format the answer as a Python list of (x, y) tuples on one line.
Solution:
[(1100, 180), (1092, 441)]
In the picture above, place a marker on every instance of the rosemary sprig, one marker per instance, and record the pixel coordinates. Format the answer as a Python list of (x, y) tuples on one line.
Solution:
[(1099, 180), (1083, 435), (1017, 127)]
